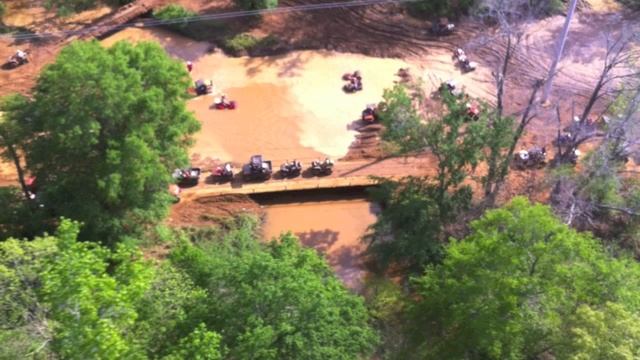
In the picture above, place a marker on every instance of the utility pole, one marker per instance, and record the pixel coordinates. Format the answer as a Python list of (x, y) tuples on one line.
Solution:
[(559, 49)]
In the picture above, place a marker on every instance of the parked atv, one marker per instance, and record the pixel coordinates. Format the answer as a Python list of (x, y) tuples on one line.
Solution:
[(257, 169), (442, 27), (223, 173), (532, 158), (290, 169), (17, 59), (319, 168), (187, 177), (369, 114)]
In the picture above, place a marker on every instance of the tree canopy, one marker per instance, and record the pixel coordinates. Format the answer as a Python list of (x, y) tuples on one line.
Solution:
[(523, 284), (412, 226), (279, 301), (227, 297), (103, 132)]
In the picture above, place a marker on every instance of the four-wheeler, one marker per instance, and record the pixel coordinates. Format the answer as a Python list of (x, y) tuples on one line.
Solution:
[(442, 27), (404, 75), (451, 87), (221, 103), (352, 86), (354, 82), (322, 167), (257, 169), (223, 173), (290, 169), (187, 177), (32, 186), (351, 76), (203, 88), (463, 61), (369, 114), (17, 59), (473, 110), (535, 157), (564, 139), (574, 156)]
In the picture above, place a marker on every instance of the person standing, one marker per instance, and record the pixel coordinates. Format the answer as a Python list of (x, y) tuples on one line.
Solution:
[(189, 66)]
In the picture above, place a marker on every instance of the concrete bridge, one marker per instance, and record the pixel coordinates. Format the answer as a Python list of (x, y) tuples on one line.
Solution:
[(345, 174)]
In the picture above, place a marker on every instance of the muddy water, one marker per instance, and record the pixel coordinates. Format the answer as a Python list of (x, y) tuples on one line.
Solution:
[(238, 134), (289, 106), (334, 227)]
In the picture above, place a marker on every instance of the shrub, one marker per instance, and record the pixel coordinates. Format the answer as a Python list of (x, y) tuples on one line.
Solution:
[(439, 8), (174, 12), (68, 7), (246, 43), (257, 4)]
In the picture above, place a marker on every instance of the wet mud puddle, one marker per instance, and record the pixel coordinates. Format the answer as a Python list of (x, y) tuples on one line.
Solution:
[(334, 226)]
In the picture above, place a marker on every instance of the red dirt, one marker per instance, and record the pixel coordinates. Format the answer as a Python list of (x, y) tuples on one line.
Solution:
[(211, 210)]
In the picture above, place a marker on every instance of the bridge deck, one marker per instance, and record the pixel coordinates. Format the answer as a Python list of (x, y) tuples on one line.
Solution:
[(345, 174)]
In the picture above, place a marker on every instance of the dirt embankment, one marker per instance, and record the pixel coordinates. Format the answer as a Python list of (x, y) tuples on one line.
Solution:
[(211, 210)]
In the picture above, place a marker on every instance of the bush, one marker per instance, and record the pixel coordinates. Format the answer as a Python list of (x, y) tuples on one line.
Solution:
[(2, 10), (174, 12), (247, 43), (241, 42), (440, 8), (198, 30), (68, 7), (257, 4)]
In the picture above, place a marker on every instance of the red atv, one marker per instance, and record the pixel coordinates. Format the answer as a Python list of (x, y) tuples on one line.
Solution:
[(221, 103), (369, 114)]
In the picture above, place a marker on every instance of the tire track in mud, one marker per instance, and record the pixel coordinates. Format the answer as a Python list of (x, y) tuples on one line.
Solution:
[(386, 30)]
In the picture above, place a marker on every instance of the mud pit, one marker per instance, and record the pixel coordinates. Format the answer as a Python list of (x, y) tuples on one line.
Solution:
[(289, 106)]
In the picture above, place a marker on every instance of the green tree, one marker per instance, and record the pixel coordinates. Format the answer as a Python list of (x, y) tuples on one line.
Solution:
[(201, 344), (606, 332), (92, 293), (73, 299), (410, 230), (279, 301), (512, 288), (176, 14), (168, 310), (12, 134), (105, 129), (401, 120), (417, 212), (24, 328)]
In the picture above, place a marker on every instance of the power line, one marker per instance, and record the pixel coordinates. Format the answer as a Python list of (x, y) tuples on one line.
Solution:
[(206, 17)]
